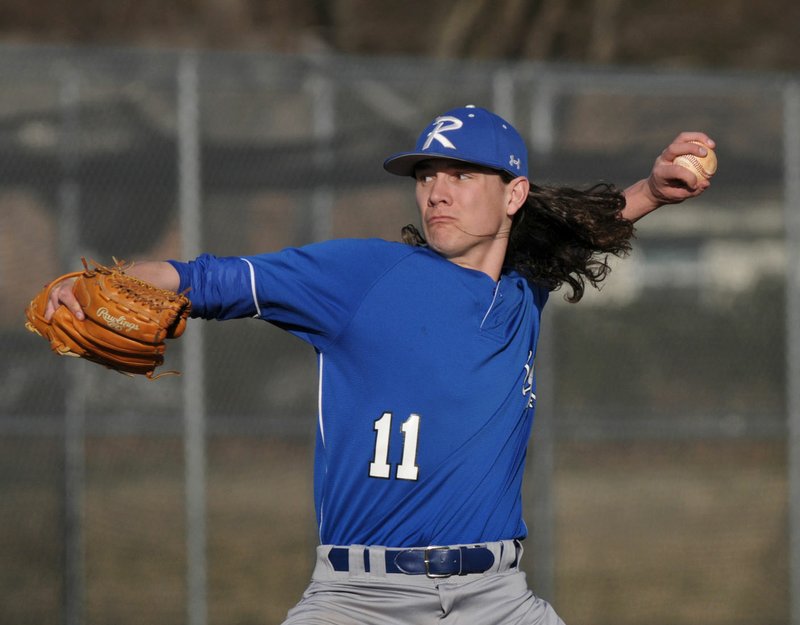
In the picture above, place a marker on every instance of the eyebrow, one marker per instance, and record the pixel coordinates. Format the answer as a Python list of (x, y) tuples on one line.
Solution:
[(428, 166)]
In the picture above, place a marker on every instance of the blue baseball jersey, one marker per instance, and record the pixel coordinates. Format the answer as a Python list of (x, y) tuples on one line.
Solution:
[(426, 384)]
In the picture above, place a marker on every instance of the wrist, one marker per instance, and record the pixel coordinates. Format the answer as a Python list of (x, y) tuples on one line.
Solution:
[(640, 199)]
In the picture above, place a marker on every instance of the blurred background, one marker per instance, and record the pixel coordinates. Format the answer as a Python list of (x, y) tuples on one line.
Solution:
[(662, 484)]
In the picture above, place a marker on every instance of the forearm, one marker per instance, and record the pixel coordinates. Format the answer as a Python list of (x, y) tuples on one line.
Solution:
[(639, 201), (158, 273)]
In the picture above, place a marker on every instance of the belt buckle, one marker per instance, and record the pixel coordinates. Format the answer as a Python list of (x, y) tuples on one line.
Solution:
[(427, 560)]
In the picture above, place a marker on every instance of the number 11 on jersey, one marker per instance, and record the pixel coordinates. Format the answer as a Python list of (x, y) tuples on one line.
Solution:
[(407, 469)]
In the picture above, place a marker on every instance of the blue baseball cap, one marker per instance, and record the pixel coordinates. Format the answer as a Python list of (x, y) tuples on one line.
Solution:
[(470, 134)]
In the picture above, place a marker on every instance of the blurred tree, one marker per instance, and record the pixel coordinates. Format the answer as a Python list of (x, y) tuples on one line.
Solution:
[(734, 34)]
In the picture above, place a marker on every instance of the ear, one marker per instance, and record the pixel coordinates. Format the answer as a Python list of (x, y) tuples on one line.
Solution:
[(516, 194)]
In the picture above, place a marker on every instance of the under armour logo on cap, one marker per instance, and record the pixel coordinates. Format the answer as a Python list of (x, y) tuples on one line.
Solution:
[(470, 134)]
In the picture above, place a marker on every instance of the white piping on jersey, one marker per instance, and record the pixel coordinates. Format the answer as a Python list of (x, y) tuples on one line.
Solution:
[(494, 299), (319, 399), (322, 437), (253, 286)]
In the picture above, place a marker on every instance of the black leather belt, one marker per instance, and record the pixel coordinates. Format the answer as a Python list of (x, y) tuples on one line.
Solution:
[(434, 562)]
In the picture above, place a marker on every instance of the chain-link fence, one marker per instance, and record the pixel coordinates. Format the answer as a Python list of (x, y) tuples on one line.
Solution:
[(661, 470)]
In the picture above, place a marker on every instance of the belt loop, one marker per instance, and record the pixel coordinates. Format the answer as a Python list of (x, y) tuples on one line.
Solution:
[(355, 560), (377, 560), (500, 558), (518, 550), (323, 551), (508, 555)]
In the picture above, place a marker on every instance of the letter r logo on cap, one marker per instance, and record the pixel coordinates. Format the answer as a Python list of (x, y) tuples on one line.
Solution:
[(441, 125)]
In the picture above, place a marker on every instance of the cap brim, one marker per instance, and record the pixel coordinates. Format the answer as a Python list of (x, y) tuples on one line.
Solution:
[(403, 164)]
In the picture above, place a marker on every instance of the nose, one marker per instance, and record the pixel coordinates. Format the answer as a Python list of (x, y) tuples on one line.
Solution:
[(438, 190)]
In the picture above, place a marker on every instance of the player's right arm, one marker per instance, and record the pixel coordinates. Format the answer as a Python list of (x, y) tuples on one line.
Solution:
[(158, 273)]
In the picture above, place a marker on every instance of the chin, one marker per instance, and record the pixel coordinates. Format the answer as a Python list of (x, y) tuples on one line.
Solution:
[(439, 243), (446, 251), (442, 240)]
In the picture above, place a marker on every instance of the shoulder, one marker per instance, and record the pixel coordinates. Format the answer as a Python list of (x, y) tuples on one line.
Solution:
[(538, 293), (363, 247), (333, 253), (360, 252), (337, 260)]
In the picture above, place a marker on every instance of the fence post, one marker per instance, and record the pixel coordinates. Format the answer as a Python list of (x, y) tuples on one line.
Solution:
[(194, 408), (503, 95), (323, 125), (543, 116), (542, 460), (74, 569), (791, 155), (541, 474)]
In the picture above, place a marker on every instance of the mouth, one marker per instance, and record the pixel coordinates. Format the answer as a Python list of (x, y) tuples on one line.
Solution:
[(439, 219)]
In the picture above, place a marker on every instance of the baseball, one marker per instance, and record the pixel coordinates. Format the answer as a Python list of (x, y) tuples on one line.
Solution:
[(703, 166)]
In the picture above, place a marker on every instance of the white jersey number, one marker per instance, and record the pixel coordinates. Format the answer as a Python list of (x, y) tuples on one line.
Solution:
[(407, 469)]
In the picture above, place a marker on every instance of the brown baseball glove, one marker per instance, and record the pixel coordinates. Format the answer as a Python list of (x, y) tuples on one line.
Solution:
[(126, 320)]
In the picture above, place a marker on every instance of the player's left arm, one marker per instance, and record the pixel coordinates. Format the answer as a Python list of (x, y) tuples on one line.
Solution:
[(158, 273), (668, 183)]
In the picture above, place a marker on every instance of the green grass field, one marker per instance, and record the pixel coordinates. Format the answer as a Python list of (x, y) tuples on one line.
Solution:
[(647, 533)]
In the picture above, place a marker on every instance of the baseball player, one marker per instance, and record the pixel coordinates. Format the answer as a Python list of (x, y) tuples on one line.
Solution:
[(426, 353)]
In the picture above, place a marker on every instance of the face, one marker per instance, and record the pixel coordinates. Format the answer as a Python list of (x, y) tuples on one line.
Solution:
[(466, 211)]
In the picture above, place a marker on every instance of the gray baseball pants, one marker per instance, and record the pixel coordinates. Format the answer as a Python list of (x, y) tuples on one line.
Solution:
[(500, 596)]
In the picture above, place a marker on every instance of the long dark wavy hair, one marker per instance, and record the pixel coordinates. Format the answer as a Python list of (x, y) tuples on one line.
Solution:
[(563, 236)]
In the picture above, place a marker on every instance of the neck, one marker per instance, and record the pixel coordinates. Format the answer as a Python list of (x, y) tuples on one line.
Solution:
[(489, 262)]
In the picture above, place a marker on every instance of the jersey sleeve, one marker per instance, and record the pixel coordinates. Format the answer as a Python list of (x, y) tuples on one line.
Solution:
[(540, 296), (310, 291)]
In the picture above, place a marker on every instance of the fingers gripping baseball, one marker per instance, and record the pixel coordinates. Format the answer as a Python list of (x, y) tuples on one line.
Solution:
[(683, 169)]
